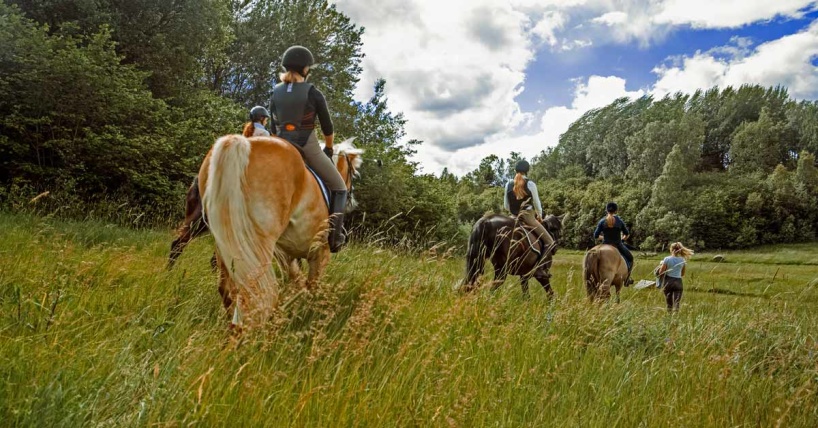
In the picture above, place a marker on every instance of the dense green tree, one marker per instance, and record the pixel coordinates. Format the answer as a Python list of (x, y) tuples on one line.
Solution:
[(756, 146)]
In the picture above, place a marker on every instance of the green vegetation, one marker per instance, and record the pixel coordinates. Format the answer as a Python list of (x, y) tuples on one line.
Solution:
[(716, 169), (110, 106), (93, 331)]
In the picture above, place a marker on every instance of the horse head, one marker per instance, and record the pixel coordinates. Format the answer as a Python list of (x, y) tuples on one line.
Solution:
[(553, 224), (348, 159)]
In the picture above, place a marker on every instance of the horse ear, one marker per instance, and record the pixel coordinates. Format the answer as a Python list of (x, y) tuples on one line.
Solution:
[(562, 218)]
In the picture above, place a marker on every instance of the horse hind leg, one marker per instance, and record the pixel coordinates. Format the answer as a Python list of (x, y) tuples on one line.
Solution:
[(604, 293), (544, 278), (524, 287), (318, 261), (178, 245), (226, 286), (292, 266), (192, 226), (500, 274)]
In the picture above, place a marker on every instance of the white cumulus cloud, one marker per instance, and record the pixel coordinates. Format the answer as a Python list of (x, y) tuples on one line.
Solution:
[(786, 61), (596, 92), (456, 67)]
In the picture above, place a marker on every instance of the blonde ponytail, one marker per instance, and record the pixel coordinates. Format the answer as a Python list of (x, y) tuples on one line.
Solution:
[(519, 186), (679, 250)]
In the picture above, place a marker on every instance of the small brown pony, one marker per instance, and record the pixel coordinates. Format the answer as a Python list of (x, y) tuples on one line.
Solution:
[(510, 248), (263, 206), (603, 267)]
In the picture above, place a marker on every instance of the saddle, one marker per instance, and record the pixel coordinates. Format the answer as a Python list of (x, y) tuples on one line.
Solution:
[(324, 190)]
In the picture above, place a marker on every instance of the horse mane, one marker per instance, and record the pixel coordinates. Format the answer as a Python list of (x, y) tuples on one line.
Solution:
[(347, 148)]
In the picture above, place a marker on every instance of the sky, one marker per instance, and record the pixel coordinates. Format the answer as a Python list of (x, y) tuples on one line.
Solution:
[(481, 77)]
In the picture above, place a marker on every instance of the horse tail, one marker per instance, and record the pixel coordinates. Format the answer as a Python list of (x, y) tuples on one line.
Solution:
[(476, 254), (232, 225), (590, 269)]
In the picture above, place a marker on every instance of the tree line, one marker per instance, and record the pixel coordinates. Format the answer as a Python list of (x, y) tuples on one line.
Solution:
[(721, 168), (110, 105)]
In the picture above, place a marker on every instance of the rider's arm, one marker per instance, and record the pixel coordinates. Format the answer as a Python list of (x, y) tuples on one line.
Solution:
[(505, 199), (625, 231), (536, 198), (322, 111)]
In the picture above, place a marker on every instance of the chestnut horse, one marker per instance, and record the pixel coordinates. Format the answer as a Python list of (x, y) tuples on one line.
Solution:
[(263, 206), (511, 249), (603, 267)]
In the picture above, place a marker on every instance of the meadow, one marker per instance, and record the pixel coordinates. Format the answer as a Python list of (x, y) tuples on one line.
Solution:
[(95, 332)]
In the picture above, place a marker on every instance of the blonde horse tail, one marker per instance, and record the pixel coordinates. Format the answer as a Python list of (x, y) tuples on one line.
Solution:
[(231, 222)]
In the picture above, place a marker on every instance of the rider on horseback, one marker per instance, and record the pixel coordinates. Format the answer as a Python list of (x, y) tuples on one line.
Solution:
[(296, 104), (256, 127), (611, 230), (520, 194)]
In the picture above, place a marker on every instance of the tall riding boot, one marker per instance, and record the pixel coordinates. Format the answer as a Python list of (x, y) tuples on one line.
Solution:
[(337, 204)]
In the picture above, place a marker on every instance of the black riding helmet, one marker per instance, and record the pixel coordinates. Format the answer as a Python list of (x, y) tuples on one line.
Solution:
[(295, 58), (522, 166), (611, 207), (257, 113)]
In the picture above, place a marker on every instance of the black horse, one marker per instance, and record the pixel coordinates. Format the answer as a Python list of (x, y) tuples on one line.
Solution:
[(513, 249)]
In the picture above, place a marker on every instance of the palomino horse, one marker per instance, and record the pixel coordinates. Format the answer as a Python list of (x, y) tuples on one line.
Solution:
[(603, 267), (263, 206), (509, 247), (194, 226)]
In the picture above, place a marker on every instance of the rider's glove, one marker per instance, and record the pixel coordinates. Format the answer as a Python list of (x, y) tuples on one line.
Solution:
[(328, 151)]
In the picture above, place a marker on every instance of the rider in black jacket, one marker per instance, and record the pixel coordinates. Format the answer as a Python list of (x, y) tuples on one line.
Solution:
[(612, 230)]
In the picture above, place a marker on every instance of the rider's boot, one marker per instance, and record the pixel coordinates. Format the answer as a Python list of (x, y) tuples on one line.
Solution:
[(337, 204), (629, 280)]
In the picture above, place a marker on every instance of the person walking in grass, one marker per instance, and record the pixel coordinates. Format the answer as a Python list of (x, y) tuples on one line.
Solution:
[(673, 269)]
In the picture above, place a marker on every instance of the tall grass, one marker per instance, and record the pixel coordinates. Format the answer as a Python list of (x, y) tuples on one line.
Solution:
[(94, 331)]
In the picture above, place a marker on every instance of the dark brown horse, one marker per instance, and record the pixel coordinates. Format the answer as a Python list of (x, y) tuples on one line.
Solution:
[(192, 227), (512, 249)]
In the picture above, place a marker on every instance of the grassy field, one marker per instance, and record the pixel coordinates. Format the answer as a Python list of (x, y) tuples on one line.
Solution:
[(94, 332)]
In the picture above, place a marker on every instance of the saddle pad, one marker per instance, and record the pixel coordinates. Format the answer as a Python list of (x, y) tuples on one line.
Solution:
[(321, 184)]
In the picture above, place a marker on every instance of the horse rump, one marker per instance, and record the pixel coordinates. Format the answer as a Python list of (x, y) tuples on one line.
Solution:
[(590, 270), (230, 218)]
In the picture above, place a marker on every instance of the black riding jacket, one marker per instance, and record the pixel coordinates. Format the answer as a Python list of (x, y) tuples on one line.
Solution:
[(611, 235), (298, 105)]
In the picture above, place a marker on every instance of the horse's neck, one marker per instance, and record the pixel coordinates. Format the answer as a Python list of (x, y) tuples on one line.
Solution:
[(343, 168)]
